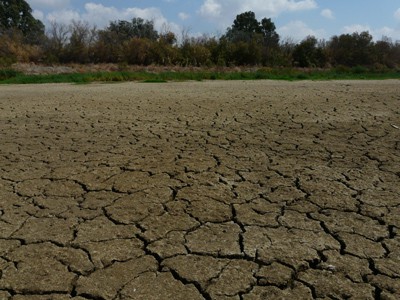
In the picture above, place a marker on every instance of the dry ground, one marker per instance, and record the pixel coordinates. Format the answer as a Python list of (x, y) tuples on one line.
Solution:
[(200, 190)]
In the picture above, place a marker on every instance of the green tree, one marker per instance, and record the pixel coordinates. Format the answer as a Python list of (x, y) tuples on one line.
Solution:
[(168, 38), (246, 53), (246, 22), (116, 43), (108, 47), (255, 41), (351, 49), (194, 52), (268, 30), (164, 51), (244, 27), (137, 28), (270, 41), (284, 56), (309, 54), (387, 53), (57, 38), (81, 42), (17, 15), (137, 51), (14, 49)]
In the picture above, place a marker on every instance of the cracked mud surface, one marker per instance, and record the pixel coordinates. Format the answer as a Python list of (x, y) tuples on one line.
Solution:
[(200, 190)]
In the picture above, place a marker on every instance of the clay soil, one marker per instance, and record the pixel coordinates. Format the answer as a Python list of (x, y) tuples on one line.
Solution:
[(200, 190)]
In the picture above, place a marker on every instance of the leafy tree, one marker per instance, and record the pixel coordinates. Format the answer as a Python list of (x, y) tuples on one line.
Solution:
[(284, 55), (244, 27), (246, 22), (270, 41), (351, 49), (164, 54), (309, 54), (17, 15), (221, 54), (212, 44), (57, 39), (108, 47), (137, 28), (14, 49), (382, 50), (247, 53), (168, 38), (164, 51), (137, 51), (261, 38), (268, 30), (81, 41), (194, 52), (122, 36), (387, 53), (394, 57)]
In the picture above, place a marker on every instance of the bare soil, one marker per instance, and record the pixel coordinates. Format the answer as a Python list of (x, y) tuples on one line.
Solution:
[(200, 190)]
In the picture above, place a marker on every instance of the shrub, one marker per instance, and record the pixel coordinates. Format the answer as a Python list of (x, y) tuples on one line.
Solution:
[(7, 74), (359, 70)]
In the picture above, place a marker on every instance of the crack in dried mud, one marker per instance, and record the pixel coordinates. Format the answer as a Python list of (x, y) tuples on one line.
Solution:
[(200, 190)]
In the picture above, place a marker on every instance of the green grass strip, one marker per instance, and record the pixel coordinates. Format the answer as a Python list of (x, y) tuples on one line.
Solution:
[(13, 77)]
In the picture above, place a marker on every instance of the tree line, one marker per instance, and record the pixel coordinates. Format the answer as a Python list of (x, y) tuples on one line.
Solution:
[(248, 42)]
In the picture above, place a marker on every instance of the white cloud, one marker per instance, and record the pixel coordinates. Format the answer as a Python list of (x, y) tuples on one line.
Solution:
[(211, 9), (183, 16), (386, 31), (268, 8), (276, 7), (397, 14), (38, 14), (327, 13), (223, 12), (298, 30), (356, 28), (49, 4), (100, 15), (377, 33), (64, 16)]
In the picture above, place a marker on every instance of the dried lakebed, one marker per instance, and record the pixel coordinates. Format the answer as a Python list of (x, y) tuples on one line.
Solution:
[(200, 190)]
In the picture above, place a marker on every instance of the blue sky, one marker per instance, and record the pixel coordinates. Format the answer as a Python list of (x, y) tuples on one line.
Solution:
[(293, 18)]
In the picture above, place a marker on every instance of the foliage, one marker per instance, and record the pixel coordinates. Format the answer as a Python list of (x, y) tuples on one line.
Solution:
[(195, 52), (244, 27), (270, 36), (10, 76), (309, 54), (137, 51), (248, 42), (351, 49), (137, 28), (107, 47), (17, 15), (13, 48), (7, 74), (81, 41), (255, 41)]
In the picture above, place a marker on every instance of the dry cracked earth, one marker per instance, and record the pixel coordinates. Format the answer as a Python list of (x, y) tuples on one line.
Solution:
[(200, 190)]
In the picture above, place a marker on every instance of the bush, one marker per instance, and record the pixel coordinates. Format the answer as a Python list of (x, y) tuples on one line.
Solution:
[(7, 74), (13, 49), (7, 61), (359, 70)]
